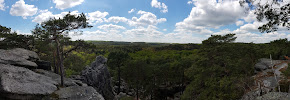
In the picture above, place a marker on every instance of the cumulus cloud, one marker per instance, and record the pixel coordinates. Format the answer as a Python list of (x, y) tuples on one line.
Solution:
[(239, 23), (214, 14), (159, 5), (146, 18), (189, 2), (109, 27), (182, 27), (132, 10), (209, 14), (22, 9), (251, 17), (150, 31), (2, 5), (64, 4), (45, 15), (259, 38), (117, 19), (97, 17), (100, 35), (247, 36)]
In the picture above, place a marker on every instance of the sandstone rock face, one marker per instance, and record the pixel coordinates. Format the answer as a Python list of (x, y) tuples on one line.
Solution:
[(266, 79), (264, 64), (56, 78), (19, 57), (98, 76), (78, 93), (274, 96), (19, 83)]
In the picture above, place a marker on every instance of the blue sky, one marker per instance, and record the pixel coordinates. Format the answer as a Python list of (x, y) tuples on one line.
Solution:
[(170, 21)]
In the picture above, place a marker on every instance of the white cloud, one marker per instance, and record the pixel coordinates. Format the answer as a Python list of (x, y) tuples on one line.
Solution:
[(150, 32), (117, 19), (100, 35), (183, 38), (147, 18), (214, 14), (2, 5), (45, 15), (64, 4), (208, 14), (159, 5), (251, 17), (260, 38), (132, 10), (22, 9), (109, 27), (97, 17), (239, 23), (189, 2), (182, 27), (223, 32)]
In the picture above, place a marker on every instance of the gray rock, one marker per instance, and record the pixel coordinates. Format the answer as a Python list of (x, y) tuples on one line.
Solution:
[(98, 76), (274, 96), (255, 93), (264, 64), (57, 78), (270, 82), (22, 83), (78, 93), (26, 54), (19, 57)]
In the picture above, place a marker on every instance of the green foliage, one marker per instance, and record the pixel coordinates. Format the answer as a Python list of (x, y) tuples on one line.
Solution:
[(9, 39), (78, 60), (154, 72), (218, 39), (219, 68), (69, 72)]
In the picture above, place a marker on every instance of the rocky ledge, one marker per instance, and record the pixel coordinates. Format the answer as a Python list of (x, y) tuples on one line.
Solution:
[(21, 79)]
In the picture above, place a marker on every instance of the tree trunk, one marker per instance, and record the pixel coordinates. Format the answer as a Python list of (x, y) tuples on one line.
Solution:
[(60, 65), (56, 68)]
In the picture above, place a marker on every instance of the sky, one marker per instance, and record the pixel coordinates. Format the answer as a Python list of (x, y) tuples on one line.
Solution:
[(166, 21)]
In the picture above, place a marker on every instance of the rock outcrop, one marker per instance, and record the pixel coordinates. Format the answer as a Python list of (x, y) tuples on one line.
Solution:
[(265, 63), (78, 93), (21, 80), (267, 78), (274, 96), (97, 75), (57, 79), (19, 83), (19, 57)]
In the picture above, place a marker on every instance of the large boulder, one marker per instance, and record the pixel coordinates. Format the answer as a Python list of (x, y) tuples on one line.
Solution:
[(264, 64), (57, 78), (274, 96), (22, 83), (78, 93), (19, 57), (98, 76)]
